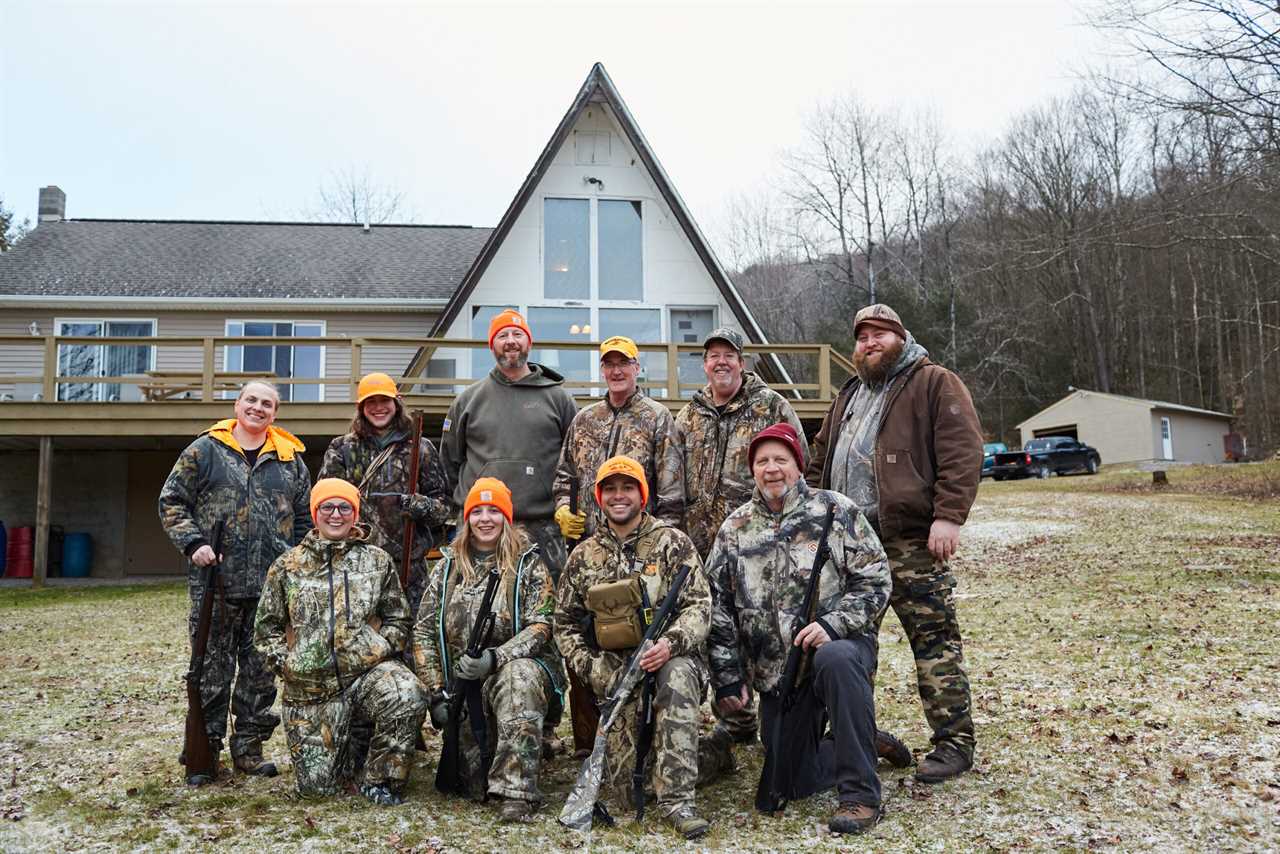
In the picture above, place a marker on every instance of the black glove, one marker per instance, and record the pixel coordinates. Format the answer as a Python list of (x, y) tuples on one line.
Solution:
[(587, 625), (440, 714)]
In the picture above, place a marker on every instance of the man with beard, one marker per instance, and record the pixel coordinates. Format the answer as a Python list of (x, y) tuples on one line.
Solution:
[(511, 425), (903, 441)]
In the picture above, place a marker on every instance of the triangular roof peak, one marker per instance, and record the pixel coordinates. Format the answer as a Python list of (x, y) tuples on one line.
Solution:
[(597, 88)]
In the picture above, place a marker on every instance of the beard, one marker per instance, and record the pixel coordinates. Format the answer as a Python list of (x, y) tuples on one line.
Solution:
[(511, 360), (873, 368)]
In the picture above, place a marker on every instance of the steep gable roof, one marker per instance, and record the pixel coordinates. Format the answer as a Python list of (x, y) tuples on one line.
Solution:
[(599, 88), (194, 260)]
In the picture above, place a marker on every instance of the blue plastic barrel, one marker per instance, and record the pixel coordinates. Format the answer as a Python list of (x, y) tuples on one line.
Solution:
[(77, 555)]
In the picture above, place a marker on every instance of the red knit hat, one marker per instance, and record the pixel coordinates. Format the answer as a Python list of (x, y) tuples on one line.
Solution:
[(503, 319), (780, 432)]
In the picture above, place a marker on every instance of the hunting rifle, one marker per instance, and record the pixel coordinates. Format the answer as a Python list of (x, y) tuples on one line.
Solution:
[(410, 524), (449, 773), (581, 805), (197, 753), (769, 794)]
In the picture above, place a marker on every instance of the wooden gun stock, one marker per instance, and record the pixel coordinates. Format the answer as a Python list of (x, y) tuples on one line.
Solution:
[(197, 753)]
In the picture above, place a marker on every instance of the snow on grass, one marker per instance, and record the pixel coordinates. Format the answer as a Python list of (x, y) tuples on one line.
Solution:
[(1121, 647)]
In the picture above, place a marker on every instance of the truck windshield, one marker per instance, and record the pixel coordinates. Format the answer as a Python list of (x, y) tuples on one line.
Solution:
[(1039, 445)]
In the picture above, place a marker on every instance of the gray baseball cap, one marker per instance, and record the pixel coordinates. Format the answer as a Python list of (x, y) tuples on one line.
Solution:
[(727, 334)]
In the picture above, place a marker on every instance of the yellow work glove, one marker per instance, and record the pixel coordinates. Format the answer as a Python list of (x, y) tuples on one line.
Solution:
[(572, 525)]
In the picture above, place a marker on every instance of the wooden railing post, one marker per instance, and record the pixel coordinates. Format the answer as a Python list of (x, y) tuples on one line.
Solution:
[(49, 388), (673, 370), (357, 359), (44, 486), (824, 372), (206, 372)]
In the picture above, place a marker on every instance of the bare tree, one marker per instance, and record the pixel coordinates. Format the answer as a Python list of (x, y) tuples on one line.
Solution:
[(351, 195), (11, 232)]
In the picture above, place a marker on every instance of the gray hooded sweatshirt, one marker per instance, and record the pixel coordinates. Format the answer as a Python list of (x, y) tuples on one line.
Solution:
[(512, 431)]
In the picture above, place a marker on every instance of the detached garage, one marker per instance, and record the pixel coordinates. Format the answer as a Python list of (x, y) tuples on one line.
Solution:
[(1130, 429)]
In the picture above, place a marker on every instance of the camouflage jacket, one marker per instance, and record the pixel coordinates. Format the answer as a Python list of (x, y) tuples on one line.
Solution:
[(349, 458), (266, 509), (714, 443), (642, 429), (522, 618), (759, 568), (343, 603), (661, 550)]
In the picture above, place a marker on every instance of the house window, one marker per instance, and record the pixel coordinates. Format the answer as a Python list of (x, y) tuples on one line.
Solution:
[(104, 360), (593, 249), (620, 249), (280, 360), (567, 250), (562, 324)]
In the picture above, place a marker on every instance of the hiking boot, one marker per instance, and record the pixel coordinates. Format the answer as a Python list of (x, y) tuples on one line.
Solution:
[(688, 823), (893, 751), (945, 762), (382, 794), (852, 817), (255, 765), (516, 810), (206, 779)]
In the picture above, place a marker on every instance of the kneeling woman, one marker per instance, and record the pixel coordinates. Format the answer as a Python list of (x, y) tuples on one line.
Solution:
[(519, 671), (331, 619)]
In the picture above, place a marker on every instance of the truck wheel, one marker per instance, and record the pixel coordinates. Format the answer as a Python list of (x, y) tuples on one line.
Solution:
[(998, 476), (1092, 466), (1042, 471)]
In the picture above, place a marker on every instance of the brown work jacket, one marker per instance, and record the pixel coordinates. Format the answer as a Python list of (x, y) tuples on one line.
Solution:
[(928, 457)]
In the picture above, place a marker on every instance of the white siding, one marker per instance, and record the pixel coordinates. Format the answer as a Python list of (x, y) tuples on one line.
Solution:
[(673, 273), (1196, 438)]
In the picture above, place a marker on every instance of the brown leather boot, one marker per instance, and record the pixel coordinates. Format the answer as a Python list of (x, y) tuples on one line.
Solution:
[(851, 817), (945, 762), (893, 751), (255, 765)]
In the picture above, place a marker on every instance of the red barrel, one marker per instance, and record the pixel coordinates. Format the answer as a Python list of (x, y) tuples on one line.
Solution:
[(21, 550)]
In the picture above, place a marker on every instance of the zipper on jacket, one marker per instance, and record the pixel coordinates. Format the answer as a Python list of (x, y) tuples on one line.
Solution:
[(333, 650)]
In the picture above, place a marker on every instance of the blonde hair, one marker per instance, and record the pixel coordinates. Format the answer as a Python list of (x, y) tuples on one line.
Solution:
[(512, 543)]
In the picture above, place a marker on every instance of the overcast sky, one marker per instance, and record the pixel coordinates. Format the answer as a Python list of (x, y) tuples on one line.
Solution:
[(239, 111)]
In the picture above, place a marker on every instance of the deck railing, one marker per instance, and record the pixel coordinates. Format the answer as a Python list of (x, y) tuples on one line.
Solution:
[(808, 370)]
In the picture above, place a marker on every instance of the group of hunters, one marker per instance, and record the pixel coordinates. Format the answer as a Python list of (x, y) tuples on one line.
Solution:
[(613, 559)]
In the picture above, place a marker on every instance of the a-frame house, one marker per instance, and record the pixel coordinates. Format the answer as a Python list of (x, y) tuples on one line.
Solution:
[(596, 242)]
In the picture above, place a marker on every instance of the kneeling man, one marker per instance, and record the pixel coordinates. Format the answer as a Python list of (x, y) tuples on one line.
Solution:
[(759, 569)]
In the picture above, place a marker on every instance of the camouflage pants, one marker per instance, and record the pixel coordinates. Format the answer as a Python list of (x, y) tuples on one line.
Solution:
[(231, 649), (923, 597), (679, 760), (319, 734)]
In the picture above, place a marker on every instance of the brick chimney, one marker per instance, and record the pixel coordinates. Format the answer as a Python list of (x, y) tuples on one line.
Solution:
[(53, 204)]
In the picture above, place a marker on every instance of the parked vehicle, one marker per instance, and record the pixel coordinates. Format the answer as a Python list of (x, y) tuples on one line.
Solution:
[(989, 451), (1047, 455)]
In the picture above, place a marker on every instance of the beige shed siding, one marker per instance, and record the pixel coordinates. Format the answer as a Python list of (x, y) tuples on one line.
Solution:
[(1117, 428), (1196, 438), (28, 360)]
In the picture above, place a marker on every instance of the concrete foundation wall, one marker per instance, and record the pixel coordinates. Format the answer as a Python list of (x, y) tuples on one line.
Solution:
[(88, 496)]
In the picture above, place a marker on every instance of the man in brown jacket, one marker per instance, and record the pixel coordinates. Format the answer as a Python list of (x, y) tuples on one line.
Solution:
[(903, 441)]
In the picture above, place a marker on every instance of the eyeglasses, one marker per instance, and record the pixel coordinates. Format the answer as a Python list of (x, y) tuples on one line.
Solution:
[(343, 509)]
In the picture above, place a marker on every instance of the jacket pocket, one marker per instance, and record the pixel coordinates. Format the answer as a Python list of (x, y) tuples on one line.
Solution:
[(903, 492), (523, 477)]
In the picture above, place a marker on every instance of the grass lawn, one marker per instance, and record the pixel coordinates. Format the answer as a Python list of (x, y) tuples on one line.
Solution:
[(1121, 643)]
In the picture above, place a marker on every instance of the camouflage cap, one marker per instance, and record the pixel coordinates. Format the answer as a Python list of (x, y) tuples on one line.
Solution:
[(880, 316), (727, 334)]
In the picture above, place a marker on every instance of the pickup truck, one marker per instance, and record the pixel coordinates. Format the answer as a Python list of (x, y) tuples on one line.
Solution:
[(1047, 455), (989, 451)]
